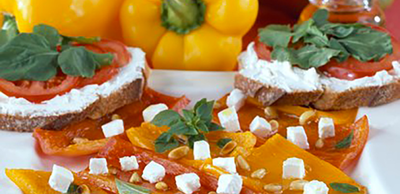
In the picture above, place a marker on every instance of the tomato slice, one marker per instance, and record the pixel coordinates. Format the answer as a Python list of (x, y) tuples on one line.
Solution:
[(263, 51), (38, 91)]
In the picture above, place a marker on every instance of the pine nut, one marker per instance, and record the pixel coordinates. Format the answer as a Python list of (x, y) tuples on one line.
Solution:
[(113, 170), (161, 186), (217, 105), (115, 117), (298, 185), (79, 140), (319, 144), (306, 116), (84, 189), (135, 178), (182, 139), (270, 113), (228, 148), (243, 164), (273, 187), (259, 174), (179, 152), (274, 125)]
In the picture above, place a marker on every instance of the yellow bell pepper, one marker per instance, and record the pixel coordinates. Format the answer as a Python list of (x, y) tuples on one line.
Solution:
[(70, 17), (188, 34)]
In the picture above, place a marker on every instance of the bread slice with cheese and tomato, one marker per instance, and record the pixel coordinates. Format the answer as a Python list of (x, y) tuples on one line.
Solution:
[(325, 65), (50, 81)]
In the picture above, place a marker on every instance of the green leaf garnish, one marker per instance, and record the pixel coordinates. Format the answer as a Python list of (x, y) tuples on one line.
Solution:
[(316, 41), (49, 33), (222, 142), (192, 124), (129, 188), (346, 142), (8, 30), (344, 188)]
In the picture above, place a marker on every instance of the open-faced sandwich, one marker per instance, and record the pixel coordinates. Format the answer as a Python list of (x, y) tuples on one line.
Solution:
[(329, 66), (49, 81)]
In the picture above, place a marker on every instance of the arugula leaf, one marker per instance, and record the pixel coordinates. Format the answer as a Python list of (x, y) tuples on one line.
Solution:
[(344, 188), (78, 61), (165, 142), (28, 57), (276, 35), (166, 118), (346, 142), (320, 17), (51, 34), (222, 142), (129, 188)]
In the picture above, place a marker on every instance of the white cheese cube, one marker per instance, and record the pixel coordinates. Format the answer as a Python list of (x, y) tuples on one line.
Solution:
[(297, 135), (98, 166), (151, 111), (260, 127), (201, 150), (188, 183), (113, 128), (293, 168), (315, 187), (153, 172), (227, 164), (60, 179), (326, 128), (229, 120), (236, 99), (229, 184), (129, 163)]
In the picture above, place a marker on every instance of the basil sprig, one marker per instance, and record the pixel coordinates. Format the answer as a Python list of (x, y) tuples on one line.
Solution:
[(346, 142), (129, 188), (344, 187), (193, 124), (316, 41), (35, 56)]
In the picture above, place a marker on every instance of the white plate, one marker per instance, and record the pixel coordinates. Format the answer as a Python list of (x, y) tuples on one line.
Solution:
[(377, 168)]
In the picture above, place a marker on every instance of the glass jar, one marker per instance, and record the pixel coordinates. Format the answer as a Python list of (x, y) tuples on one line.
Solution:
[(347, 11)]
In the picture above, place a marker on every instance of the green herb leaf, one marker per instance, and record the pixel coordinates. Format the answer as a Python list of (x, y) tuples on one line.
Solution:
[(312, 56), (51, 34), (344, 188), (28, 57), (320, 17), (346, 142), (343, 55), (74, 189), (181, 128), (128, 188), (193, 139), (78, 61), (276, 35), (202, 126), (165, 142), (79, 39), (222, 142), (316, 37), (282, 54), (214, 127), (166, 118), (204, 109), (9, 29), (187, 115), (300, 30)]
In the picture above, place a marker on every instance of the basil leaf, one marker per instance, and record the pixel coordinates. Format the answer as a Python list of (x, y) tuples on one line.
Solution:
[(346, 142), (275, 35), (344, 188), (166, 118), (74, 189), (79, 39), (51, 34), (202, 126), (180, 128), (187, 115), (28, 57), (193, 139), (281, 54), (320, 17), (9, 29), (204, 110), (316, 37), (222, 142), (300, 30), (343, 55), (311, 56), (165, 142), (128, 188), (214, 127)]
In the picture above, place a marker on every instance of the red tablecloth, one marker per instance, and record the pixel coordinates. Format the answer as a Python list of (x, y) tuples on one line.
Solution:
[(393, 18)]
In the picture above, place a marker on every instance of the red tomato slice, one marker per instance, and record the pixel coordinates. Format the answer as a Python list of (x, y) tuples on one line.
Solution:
[(38, 91), (263, 51), (120, 51)]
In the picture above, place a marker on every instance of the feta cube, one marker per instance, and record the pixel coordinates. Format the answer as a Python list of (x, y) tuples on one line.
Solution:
[(315, 187), (153, 172), (229, 120), (188, 183), (98, 166), (236, 99), (260, 127), (293, 168), (229, 184), (151, 111), (60, 179), (227, 164), (129, 163), (297, 135), (326, 128), (113, 128), (201, 150)]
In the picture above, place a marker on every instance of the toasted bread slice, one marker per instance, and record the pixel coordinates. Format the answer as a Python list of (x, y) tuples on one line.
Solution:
[(329, 94), (93, 101)]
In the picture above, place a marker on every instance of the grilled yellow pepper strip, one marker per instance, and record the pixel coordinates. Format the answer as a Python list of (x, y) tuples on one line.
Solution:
[(188, 34), (71, 17)]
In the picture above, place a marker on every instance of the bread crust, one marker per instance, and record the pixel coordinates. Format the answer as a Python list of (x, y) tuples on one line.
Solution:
[(325, 99)]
